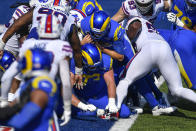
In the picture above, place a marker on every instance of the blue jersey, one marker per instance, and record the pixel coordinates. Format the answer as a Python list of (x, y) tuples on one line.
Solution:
[(94, 83), (88, 6), (179, 8), (45, 120), (115, 39)]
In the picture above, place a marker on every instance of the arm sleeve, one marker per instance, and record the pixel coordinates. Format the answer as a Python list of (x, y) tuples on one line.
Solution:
[(28, 113)]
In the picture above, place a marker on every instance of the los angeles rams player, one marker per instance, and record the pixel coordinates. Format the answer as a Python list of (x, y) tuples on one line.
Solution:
[(86, 6), (99, 89), (110, 34), (183, 14), (182, 41), (35, 66), (58, 8)]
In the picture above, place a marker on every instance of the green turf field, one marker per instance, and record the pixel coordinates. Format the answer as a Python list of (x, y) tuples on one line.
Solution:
[(184, 119)]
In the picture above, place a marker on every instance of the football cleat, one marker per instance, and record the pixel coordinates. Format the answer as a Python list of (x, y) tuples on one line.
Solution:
[(162, 109), (105, 114)]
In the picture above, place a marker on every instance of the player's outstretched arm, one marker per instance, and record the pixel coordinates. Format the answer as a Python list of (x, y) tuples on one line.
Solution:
[(26, 19), (110, 82), (75, 44), (119, 16), (133, 29)]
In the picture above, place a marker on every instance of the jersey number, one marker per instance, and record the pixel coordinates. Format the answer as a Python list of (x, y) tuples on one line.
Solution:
[(150, 27), (47, 11)]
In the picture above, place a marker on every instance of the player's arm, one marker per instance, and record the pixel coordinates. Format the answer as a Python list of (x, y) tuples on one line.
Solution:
[(111, 53), (119, 16), (133, 29), (85, 107), (174, 19), (75, 44), (24, 20), (194, 28), (38, 101), (110, 82)]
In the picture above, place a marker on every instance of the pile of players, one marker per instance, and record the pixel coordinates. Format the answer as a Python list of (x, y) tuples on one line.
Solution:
[(40, 80)]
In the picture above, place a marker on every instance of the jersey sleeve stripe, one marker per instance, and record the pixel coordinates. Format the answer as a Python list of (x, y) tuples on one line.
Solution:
[(124, 9)]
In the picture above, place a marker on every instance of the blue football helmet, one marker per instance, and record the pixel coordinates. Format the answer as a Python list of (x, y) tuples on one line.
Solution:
[(35, 62), (99, 25), (6, 60), (191, 6), (91, 56)]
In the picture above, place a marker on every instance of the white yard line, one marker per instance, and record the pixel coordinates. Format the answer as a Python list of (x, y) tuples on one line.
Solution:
[(124, 124)]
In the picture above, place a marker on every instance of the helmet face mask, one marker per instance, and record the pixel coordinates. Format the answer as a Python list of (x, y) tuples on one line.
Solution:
[(144, 6), (191, 6)]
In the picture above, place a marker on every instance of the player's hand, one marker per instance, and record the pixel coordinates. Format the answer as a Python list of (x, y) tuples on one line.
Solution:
[(66, 117), (4, 103), (78, 82), (112, 106), (86, 39), (174, 19), (2, 45), (86, 107)]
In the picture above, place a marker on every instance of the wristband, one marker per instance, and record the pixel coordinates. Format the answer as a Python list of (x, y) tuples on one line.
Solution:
[(78, 71), (81, 105), (111, 101)]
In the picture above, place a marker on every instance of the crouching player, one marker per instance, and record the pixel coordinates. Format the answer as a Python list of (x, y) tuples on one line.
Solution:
[(99, 89), (36, 111)]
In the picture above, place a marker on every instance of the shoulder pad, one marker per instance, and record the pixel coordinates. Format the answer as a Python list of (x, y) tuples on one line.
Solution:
[(88, 8), (46, 84)]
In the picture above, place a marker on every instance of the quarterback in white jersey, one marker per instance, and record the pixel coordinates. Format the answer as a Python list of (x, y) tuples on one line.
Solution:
[(149, 10), (153, 52)]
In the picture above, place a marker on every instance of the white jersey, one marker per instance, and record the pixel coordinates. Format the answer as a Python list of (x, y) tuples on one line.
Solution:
[(65, 19), (12, 44), (147, 33), (129, 8), (59, 48)]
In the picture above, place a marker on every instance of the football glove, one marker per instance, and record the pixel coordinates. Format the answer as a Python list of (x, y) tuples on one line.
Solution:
[(112, 106), (86, 107), (174, 19)]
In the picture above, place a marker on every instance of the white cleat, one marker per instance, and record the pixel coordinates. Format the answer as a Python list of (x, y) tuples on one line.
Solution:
[(138, 109), (161, 109)]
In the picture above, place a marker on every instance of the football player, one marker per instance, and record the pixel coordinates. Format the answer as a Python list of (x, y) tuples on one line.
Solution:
[(110, 34), (39, 94), (49, 31), (156, 50)]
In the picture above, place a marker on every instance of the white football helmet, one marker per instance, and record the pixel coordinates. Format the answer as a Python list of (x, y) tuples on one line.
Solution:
[(144, 5), (34, 3), (79, 15), (49, 27), (191, 6), (62, 5)]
